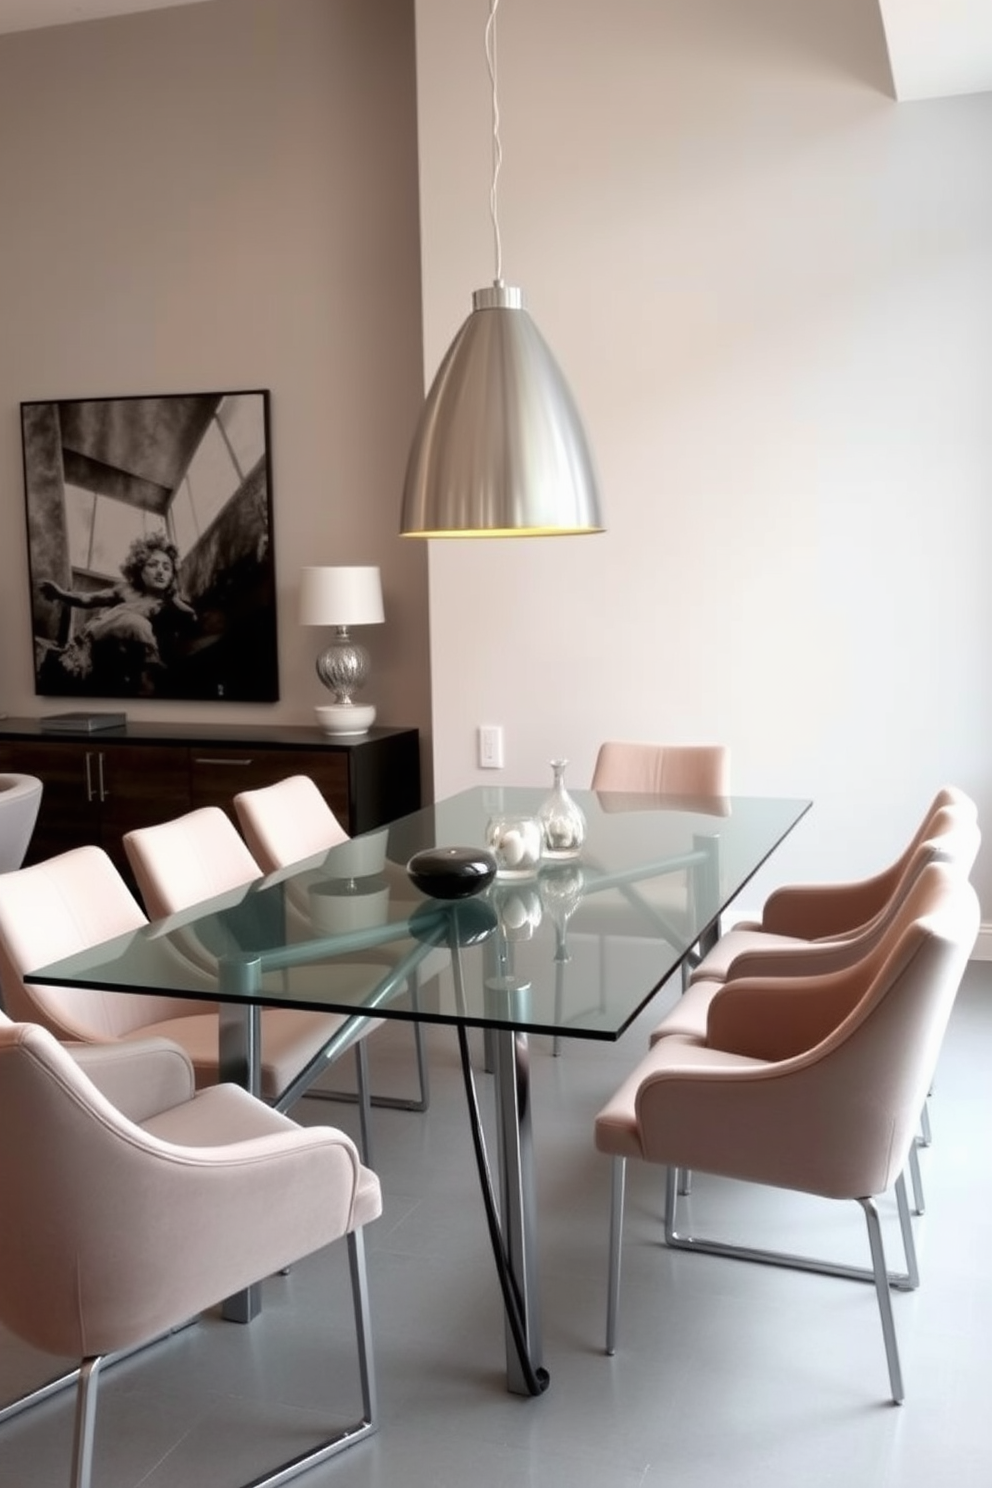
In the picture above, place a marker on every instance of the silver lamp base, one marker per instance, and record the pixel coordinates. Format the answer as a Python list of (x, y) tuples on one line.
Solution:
[(344, 668)]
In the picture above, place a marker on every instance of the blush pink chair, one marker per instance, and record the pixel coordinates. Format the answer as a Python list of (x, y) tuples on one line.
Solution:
[(955, 844), (665, 769), (78, 899), (289, 822), (180, 863), (131, 1221), (698, 772), (813, 1084), (834, 910), (955, 841)]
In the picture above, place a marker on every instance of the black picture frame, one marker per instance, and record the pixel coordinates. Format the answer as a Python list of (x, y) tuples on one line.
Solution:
[(118, 492)]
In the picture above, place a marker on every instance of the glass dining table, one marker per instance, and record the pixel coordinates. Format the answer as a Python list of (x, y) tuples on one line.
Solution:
[(574, 951)]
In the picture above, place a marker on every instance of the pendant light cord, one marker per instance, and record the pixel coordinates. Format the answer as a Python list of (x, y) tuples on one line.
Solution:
[(497, 144)]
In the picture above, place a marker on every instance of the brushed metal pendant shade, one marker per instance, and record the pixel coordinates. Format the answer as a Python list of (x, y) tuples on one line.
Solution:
[(500, 450)]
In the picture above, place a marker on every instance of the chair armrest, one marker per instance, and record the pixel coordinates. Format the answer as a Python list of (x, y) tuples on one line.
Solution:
[(812, 911), (141, 1078), (778, 1017)]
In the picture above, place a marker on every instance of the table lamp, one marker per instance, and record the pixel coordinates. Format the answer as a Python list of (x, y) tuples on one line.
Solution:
[(342, 597)]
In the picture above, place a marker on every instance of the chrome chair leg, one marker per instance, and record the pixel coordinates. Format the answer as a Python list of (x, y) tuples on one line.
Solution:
[(363, 1327), (364, 1104), (926, 1136), (919, 1204), (882, 1279), (617, 1185), (85, 1419), (906, 1228), (369, 1422)]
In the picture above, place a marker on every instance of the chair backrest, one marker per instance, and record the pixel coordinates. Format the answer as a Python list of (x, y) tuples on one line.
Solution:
[(287, 822), (54, 909), (20, 799), (948, 799), (182, 862), (669, 769), (837, 1119), (836, 909), (954, 839)]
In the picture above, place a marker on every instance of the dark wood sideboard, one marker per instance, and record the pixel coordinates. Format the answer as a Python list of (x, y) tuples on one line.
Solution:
[(99, 785)]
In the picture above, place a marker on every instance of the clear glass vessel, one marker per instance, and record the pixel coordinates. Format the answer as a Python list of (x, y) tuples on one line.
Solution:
[(516, 843), (562, 821)]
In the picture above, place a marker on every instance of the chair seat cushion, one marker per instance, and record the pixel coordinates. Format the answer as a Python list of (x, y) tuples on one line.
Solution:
[(290, 1039)]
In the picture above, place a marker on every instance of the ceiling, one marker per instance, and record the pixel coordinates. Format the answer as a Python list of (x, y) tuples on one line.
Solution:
[(936, 47)]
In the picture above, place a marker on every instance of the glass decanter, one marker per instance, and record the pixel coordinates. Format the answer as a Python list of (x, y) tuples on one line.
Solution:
[(561, 820)]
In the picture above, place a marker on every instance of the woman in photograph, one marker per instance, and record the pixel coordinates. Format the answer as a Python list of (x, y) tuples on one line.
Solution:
[(136, 633)]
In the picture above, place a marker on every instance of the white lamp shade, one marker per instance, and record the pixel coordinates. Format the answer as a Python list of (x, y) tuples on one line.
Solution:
[(341, 596)]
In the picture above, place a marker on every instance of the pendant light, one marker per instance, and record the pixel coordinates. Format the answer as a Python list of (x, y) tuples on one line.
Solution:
[(499, 450)]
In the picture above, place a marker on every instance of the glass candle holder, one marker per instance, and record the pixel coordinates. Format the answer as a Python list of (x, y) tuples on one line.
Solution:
[(516, 843)]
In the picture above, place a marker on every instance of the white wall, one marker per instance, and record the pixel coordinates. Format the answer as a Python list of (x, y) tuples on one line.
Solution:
[(769, 287), (217, 196)]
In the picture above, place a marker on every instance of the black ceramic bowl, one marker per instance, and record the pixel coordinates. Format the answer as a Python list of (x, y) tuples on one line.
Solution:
[(451, 872)]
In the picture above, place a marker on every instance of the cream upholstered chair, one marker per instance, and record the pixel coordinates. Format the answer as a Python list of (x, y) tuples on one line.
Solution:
[(180, 863), (78, 899), (130, 1222), (20, 800), (807, 1083), (698, 772), (289, 822), (955, 843), (667, 769)]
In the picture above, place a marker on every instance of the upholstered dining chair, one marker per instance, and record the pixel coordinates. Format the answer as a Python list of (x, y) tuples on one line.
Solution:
[(669, 769), (78, 899), (955, 845), (20, 800), (799, 914), (178, 864), (121, 1225), (289, 822), (955, 842), (772, 1098), (699, 772)]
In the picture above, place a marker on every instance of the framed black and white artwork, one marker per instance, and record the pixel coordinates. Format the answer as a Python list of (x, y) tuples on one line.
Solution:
[(150, 547)]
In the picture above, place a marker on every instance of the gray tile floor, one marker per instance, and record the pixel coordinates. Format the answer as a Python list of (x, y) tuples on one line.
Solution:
[(726, 1373)]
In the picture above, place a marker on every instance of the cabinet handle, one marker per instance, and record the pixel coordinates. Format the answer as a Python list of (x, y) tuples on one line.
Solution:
[(99, 776), (217, 761), (89, 776)]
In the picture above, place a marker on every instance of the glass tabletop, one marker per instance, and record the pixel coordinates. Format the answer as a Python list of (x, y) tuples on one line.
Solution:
[(576, 949)]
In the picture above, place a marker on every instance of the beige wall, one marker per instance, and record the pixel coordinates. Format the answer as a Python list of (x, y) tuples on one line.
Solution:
[(769, 287), (219, 196)]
